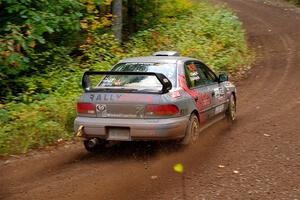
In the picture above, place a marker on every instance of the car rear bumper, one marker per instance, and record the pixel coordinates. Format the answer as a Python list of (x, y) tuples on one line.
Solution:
[(138, 129)]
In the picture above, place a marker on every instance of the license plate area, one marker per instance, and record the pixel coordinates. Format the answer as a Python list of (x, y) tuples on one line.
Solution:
[(118, 133)]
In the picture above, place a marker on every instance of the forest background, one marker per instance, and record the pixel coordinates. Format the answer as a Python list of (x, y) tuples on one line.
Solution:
[(46, 46)]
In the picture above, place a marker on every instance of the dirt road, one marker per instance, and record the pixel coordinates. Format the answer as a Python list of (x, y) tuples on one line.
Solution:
[(258, 158)]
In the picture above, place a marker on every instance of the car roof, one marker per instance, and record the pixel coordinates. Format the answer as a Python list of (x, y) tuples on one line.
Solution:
[(158, 59)]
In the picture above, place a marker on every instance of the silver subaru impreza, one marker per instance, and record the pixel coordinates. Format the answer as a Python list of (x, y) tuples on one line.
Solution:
[(159, 97)]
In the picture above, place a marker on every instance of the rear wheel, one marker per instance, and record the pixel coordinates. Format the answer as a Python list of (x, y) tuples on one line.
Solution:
[(94, 145), (192, 131), (231, 111)]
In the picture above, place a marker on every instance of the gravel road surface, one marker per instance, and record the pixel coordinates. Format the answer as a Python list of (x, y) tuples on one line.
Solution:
[(257, 158)]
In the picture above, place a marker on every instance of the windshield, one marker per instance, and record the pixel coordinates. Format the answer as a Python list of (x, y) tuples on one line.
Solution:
[(140, 82)]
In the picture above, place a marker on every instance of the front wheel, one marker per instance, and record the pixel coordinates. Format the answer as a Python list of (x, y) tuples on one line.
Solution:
[(231, 111), (192, 131)]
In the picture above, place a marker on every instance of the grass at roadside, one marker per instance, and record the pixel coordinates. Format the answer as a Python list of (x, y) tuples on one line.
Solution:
[(296, 2), (210, 33)]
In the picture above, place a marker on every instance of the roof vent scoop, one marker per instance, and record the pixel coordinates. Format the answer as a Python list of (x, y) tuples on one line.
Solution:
[(166, 53)]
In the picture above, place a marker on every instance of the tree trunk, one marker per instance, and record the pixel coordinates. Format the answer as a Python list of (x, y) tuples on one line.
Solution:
[(117, 19), (131, 15)]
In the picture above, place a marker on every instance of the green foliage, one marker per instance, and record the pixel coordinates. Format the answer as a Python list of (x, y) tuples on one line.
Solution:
[(173, 8), (143, 14), (30, 29), (104, 48), (26, 126), (212, 34), (43, 110)]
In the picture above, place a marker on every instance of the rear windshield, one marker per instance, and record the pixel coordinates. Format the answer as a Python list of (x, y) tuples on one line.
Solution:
[(140, 82)]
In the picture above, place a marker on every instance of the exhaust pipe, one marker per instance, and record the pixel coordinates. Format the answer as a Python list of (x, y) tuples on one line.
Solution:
[(93, 142), (79, 132)]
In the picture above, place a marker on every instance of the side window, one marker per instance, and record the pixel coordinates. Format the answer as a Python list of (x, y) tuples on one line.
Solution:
[(193, 75), (210, 76)]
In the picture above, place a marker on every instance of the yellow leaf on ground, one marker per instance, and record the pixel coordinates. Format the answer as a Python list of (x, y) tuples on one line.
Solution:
[(178, 168)]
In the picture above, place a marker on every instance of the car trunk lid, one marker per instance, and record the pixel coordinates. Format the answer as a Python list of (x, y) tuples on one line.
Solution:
[(125, 102)]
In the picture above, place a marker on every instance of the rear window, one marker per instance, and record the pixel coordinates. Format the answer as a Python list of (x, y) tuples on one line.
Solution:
[(140, 82)]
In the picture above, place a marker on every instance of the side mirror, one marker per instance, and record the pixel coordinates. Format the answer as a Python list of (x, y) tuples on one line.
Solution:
[(223, 77)]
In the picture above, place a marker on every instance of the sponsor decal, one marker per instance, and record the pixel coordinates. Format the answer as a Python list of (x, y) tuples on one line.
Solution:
[(124, 97), (219, 109), (204, 100), (136, 98), (108, 97), (92, 97), (192, 67), (228, 84), (219, 94), (139, 110)]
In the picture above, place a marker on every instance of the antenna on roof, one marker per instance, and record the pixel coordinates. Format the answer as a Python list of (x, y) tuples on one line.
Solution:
[(166, 53)]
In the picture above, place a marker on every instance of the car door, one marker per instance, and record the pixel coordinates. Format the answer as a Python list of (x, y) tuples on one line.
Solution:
[(216, 90), (197, 84)]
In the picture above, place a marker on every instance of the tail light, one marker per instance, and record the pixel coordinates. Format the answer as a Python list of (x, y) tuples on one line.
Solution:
[(86, 108), (161, 110)]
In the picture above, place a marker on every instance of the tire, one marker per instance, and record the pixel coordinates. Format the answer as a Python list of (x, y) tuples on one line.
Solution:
[(192, 131), (231, 111), (94, 149)]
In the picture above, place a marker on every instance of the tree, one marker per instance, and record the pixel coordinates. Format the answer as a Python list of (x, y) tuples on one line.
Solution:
[(117, 19), (131, 16)]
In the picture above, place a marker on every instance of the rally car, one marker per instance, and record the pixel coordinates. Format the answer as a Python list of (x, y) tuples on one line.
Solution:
[(159, 97)]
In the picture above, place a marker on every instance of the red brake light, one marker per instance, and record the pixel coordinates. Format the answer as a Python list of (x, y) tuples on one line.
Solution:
[(86, 108), (161, 110)]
